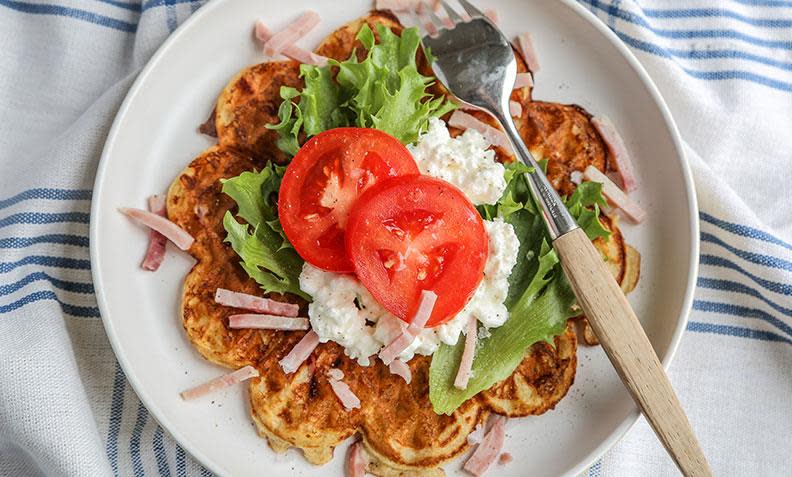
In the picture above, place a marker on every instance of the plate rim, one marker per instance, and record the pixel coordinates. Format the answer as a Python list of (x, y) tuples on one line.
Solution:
[(692, 202)]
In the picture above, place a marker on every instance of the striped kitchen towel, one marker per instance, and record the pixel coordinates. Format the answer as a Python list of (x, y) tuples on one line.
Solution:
[(725, 68)]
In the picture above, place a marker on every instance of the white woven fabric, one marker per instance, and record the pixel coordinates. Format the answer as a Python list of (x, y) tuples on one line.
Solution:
[(725, 69)]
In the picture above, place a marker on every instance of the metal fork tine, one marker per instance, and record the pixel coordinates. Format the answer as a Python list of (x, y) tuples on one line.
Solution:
[(452, 14), (470, 9)]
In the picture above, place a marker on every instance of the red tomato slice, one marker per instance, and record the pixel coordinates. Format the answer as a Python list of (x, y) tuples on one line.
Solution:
[(325, 179), (417, 233)]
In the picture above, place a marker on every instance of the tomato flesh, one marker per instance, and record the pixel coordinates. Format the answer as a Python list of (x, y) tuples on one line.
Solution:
[(323, 182), (416, 233)]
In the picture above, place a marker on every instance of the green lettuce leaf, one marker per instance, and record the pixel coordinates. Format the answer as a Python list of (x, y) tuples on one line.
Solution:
[(318, 110), (385, 91), (267, 256), (584, 204), (540, 299), (538, 317)]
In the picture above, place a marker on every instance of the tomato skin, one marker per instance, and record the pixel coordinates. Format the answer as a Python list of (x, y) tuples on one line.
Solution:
[(415, 233), (323, 182)]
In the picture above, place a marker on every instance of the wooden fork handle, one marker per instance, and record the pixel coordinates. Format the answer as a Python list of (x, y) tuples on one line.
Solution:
[(624, 341)]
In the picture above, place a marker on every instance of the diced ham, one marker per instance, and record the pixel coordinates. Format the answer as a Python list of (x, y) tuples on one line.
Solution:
[(400, 368), (255, 303), (618, 151), (292, 33), (421, 11), (515, 109), (505, 458), (492, 14), (344, 394), (405, 339), (390, 327), (225, 381), (463, 120), (424, 312), (356, 463), (526, 47), (430, 28), (342, 390), (487, 452), (264, 34), (156, 249), (335, 373), (466, 363), (297, 356), (523, 80), (615, 195), (395, 347), (267, 322), (396, 5), (171, 231), (576, 177)]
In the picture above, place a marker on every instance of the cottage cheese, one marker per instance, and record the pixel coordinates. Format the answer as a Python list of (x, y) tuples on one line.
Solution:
[(340, 311), (345, 312), (463, 161)]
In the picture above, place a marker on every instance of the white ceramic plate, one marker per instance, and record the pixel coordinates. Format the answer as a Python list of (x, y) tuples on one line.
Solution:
[(154, 137)]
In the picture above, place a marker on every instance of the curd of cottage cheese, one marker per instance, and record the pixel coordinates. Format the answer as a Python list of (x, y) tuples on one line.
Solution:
[(463, 161), (345, 312)]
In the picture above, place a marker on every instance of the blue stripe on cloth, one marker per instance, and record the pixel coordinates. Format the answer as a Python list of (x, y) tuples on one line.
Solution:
[(596, 469), (116, 411), (75, 287), (705, 75), (159, 3), (47, 194), (765, 3), (727, 54), (134, 7), (686, 34), (676, 13), (757, 258), (46, 295), (744, 230), (61, 11), (62, 239), (611, 19), (47, 261), (170, 15), (39, 218), (159, 453), (134, 441), (737, 331), (181, 462), (777, 287), (741, 311), (735, 287)]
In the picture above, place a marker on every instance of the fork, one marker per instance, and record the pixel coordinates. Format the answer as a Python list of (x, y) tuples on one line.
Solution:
[(476, 63)]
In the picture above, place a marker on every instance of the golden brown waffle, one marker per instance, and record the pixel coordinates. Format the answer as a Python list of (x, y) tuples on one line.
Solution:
[(401, 433)]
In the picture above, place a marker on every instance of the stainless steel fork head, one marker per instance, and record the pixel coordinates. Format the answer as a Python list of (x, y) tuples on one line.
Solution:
[(475, 62)]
